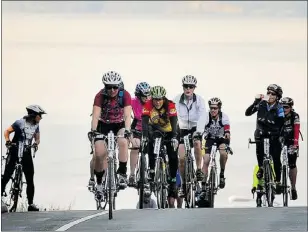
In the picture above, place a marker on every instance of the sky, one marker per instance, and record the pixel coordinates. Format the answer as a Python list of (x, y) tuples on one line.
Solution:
[(55, 53), (59, 51)]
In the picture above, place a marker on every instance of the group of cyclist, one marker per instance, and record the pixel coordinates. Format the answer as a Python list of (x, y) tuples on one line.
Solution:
[(152, 111)]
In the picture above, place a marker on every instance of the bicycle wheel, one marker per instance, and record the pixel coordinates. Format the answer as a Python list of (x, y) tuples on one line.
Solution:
[(268, 184), (212, 187), (110, 186), (158, 183), (141, 180), (285, 186), (189, 184), (16, 188), (164, 188)]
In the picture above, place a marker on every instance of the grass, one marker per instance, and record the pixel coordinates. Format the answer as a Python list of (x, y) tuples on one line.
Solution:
[(23, 206)]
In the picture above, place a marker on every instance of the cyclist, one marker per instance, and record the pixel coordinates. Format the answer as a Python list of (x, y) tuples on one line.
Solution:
[(25, 130), (111, 112), (217, 129), (291, 136), (173, 197), (142, 93), (190, 107), (160, 114), (270, 120)]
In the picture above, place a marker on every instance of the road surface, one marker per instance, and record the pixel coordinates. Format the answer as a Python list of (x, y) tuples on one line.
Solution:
[(219, 219)]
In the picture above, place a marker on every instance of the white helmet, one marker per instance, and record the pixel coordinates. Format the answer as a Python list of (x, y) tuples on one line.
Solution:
[(35, 109), (112, 78), (215, 101), (189, 80)]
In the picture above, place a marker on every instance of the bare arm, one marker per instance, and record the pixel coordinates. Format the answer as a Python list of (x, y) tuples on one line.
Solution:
[(127, 116), (37, 138), (7, 133), (96, 112)]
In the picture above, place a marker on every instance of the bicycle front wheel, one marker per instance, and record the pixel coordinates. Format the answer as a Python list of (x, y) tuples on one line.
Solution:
[(268, 179), (16, 189), (212, 187), (285, 186), (141, 180), (110, 187)]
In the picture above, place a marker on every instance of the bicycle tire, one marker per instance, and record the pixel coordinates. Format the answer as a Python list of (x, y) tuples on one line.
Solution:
[(141, 180), (268, 186), (212, 188), (16, 185), (158, 183), (285, 186), (110, 192), (164, 184)]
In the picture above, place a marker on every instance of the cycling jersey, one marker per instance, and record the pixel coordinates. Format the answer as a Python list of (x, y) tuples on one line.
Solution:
[(291, 128), (190, 113), (159, 118), (137, 110), (216, 128), (112, 111), (269, 118), (24, 131)]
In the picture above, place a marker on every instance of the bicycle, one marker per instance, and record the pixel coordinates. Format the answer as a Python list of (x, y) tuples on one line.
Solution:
[(111, 187), (189, 180), (285, 174), (212, 182), (269, 172), (17, 177), (161, 170), (141, 173)]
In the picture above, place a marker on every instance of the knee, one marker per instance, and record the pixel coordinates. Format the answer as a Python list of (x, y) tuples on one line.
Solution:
[(100, 150), (197, 145), (122, 142)]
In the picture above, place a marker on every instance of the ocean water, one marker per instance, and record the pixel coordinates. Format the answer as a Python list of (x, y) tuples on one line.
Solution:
[(62, 170)]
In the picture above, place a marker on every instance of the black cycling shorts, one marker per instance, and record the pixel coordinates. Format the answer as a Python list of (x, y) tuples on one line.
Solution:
[(209, 143), (184, 132), (105, 128)]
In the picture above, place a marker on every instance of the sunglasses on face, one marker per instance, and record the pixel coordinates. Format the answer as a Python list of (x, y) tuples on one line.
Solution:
[(213, 108), (109, 87), (271, 93), (158, 99), (189, 86), (286, 107)]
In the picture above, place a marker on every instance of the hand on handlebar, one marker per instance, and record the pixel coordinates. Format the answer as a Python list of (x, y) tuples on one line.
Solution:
[(175, 143)]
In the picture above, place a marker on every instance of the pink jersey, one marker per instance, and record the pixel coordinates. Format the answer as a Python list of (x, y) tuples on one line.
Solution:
[(137, 109)]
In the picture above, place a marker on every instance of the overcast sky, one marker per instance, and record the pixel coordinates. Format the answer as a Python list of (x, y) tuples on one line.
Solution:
[(57, 59)]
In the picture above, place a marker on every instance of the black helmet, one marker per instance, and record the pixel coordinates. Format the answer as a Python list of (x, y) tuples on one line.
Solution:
[(287, 101), (277, 89)]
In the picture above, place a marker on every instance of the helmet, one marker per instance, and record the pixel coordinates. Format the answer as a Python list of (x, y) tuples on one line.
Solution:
[(275, 88), (112, 78), (142, 88), (215, 101), (189, 80), (287, 101), (35, 110), (158, 92)]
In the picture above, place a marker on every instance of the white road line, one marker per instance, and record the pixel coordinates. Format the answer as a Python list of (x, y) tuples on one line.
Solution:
[(73, 223)]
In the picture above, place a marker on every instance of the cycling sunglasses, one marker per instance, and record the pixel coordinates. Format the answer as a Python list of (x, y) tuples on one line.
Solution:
[(271, 93), (286, 107), (189, 86), (109, 87)]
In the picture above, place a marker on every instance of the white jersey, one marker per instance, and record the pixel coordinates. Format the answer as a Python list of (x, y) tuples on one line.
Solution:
[(215, 128), (191, 113)]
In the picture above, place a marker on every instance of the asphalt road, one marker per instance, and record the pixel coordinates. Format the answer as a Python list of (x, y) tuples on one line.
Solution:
[(220, 219)]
